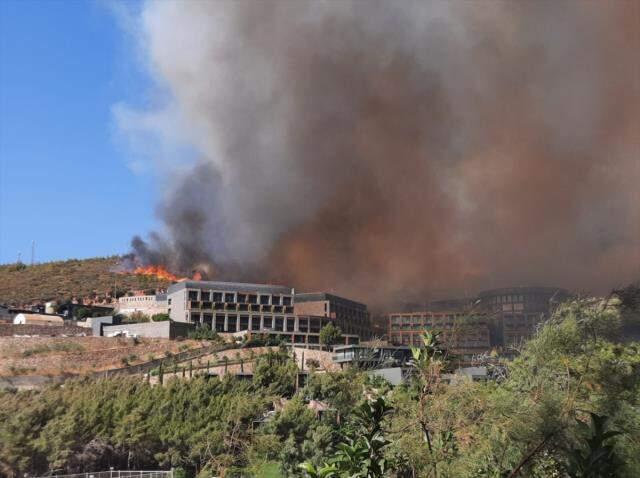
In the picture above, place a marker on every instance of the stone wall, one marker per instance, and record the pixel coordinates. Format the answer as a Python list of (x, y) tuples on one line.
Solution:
[(9, 330)]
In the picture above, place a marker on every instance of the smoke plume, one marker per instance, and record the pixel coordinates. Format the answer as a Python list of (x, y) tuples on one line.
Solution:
[(387, 150)]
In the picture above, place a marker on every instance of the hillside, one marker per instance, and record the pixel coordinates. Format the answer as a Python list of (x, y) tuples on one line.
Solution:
[(77, 355), (65, 279)]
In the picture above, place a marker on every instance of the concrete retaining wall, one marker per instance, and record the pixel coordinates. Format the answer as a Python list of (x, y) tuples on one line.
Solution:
[(161, 330)]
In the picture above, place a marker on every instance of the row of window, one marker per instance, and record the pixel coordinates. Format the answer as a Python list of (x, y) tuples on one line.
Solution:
[(416, 340), (196, 304), (529, 299), (239, 298), (446, 325), (406, 319), (348, 312), (237, 323)]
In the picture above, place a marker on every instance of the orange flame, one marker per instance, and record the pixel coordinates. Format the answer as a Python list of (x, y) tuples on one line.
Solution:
[(162, 273)]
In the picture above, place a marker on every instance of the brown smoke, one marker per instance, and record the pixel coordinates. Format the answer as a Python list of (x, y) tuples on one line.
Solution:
[(389, 150)]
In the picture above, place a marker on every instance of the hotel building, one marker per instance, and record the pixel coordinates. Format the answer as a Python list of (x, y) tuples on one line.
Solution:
[(262, 309)]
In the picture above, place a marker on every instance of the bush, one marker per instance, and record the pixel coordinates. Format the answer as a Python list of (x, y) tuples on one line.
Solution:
[(136, 317), (55, 347), (312, 363), (204, 332)]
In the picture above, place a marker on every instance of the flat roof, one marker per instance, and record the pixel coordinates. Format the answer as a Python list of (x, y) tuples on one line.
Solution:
[(230, 287)]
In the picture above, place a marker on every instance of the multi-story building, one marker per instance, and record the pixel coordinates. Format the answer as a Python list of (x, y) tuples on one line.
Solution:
[(146, 304), (463, 333), (352, 317), (516, 311), (498, 318), (260, 309)]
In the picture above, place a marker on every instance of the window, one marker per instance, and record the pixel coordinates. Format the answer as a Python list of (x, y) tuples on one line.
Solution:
[(252, 299), (286, 301), (205, 296), (231, 323), (217, 296), (219, 323), (255, 322), (314, 325), (268, 322), (244, 322), (278, 327), (275, 299), (207, 319), (193, 295), (264, 300), (229, 297)]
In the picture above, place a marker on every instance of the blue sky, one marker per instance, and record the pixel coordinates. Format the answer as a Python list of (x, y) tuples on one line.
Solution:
[(64, 179)]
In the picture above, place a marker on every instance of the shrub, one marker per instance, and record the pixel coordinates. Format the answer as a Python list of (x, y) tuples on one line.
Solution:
[(204, 332)]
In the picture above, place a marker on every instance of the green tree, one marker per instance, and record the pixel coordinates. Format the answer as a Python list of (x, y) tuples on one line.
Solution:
[(362, 453), (276, 372), (330, 335)]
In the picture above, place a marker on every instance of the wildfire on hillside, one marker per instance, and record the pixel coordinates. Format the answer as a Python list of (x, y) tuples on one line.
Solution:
[(161, 272)]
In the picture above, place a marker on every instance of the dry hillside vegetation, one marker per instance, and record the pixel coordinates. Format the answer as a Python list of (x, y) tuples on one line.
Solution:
[(22, 284), (78, 355)]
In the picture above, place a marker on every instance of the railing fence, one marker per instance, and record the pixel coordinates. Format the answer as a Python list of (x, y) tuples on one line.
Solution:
[(117, 474)]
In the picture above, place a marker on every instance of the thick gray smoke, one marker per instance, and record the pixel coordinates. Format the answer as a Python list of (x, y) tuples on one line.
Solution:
[(402, 149)]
